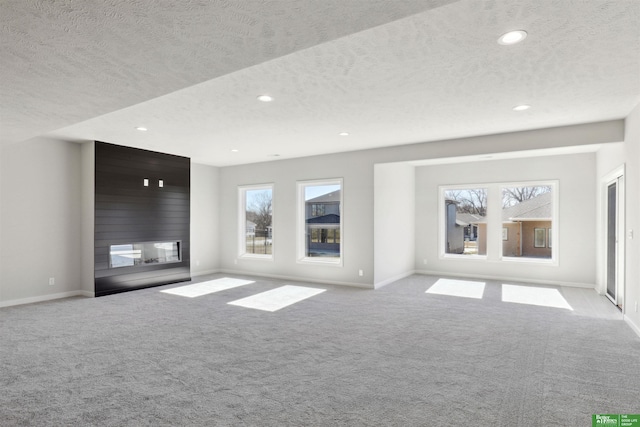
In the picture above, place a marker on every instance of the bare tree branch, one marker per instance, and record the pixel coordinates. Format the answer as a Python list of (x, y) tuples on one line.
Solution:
[(514, 195), (473, 201), (259, 210)]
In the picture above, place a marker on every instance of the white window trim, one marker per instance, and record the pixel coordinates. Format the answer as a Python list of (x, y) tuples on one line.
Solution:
[(555, 222), (442, 232), (242, 221), (494, 204), (301, 225)]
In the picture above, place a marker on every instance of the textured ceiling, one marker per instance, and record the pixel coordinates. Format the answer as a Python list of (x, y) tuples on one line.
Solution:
[(65, 61), (388, 72)]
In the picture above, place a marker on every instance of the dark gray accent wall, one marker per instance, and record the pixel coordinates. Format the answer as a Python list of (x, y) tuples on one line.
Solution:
[(128, 212)]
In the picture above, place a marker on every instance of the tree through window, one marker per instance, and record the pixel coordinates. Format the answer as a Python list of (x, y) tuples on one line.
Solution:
[(465, 212), (256, 222)]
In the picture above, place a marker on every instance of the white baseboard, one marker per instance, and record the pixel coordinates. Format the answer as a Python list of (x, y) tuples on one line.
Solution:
[(43, 298), (509, 279), (633, 326), (385, 282), (298, 279), (204, 273)]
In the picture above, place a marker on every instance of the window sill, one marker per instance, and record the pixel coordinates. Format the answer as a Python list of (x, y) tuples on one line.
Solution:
[(467, 257), (525, 260), (333, 262), (257, 257)]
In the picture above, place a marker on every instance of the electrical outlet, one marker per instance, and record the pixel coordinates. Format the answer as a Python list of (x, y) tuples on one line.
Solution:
[(424, 261), (235, 261), (197, 263), (52, 281), (636, 306), (360, 273), (630, 234)]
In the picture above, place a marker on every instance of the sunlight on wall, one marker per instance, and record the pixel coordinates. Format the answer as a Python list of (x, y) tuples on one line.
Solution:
[(457, 288), (531, 295)]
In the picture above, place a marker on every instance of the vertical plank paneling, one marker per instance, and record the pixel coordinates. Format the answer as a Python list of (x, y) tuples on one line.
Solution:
[(128, 212)]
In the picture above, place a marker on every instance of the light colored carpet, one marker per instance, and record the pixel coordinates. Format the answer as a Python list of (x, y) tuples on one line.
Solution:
[(397, 356)]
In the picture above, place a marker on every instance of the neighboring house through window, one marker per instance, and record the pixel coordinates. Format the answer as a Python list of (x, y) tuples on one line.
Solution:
[(527, 217), (320, 224), (465, 209)]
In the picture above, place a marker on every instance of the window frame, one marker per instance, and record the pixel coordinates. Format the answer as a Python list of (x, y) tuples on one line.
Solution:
[(442, 221), (555, 220), (494, 242), (301, 226), (242, 221), (543, 232)]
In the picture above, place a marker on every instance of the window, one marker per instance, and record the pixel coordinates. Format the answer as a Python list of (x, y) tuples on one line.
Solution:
[(320, 221), (517, 220), (539, 235), (255, 231), (527, 210), (317, 209), (465, 211)]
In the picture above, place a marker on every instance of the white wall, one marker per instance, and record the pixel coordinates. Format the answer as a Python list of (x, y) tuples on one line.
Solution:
[(205, 221), (608, 159), (46, 220), (576, 225), (87, 200), (1, 226), (356, 170), (40, 220), (42, 202), (394, 222)]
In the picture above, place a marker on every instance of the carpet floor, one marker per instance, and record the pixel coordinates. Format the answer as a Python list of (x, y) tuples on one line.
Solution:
[(345, 357)]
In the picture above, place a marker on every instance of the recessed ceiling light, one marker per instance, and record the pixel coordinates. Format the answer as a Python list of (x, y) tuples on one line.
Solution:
[(235, 150), (512, 37), (521, 107), (142, 129), (344, 134), (265, 98), (274, 155)]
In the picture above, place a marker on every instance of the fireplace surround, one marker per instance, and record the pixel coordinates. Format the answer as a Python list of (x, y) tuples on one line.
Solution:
[(141, 219)]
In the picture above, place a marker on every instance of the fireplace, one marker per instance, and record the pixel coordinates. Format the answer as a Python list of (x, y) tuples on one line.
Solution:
[(147, 253)]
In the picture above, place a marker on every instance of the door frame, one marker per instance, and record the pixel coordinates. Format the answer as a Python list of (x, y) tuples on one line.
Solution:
[(617, 175)]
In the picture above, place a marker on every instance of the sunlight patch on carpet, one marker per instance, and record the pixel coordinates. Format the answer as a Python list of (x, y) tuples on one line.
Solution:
[(457, 288), (205, 288), (278, 298), (546, 297)]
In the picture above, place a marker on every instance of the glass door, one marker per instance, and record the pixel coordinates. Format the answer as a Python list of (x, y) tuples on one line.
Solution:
[(612, 240)]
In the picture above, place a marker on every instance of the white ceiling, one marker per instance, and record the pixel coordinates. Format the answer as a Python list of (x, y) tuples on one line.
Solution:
[(388, 72)]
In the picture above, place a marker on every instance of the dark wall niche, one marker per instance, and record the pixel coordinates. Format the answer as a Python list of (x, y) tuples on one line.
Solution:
[(141, 232)]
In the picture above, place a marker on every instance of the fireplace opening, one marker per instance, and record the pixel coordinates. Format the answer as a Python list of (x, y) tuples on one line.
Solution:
[(133, 254)]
